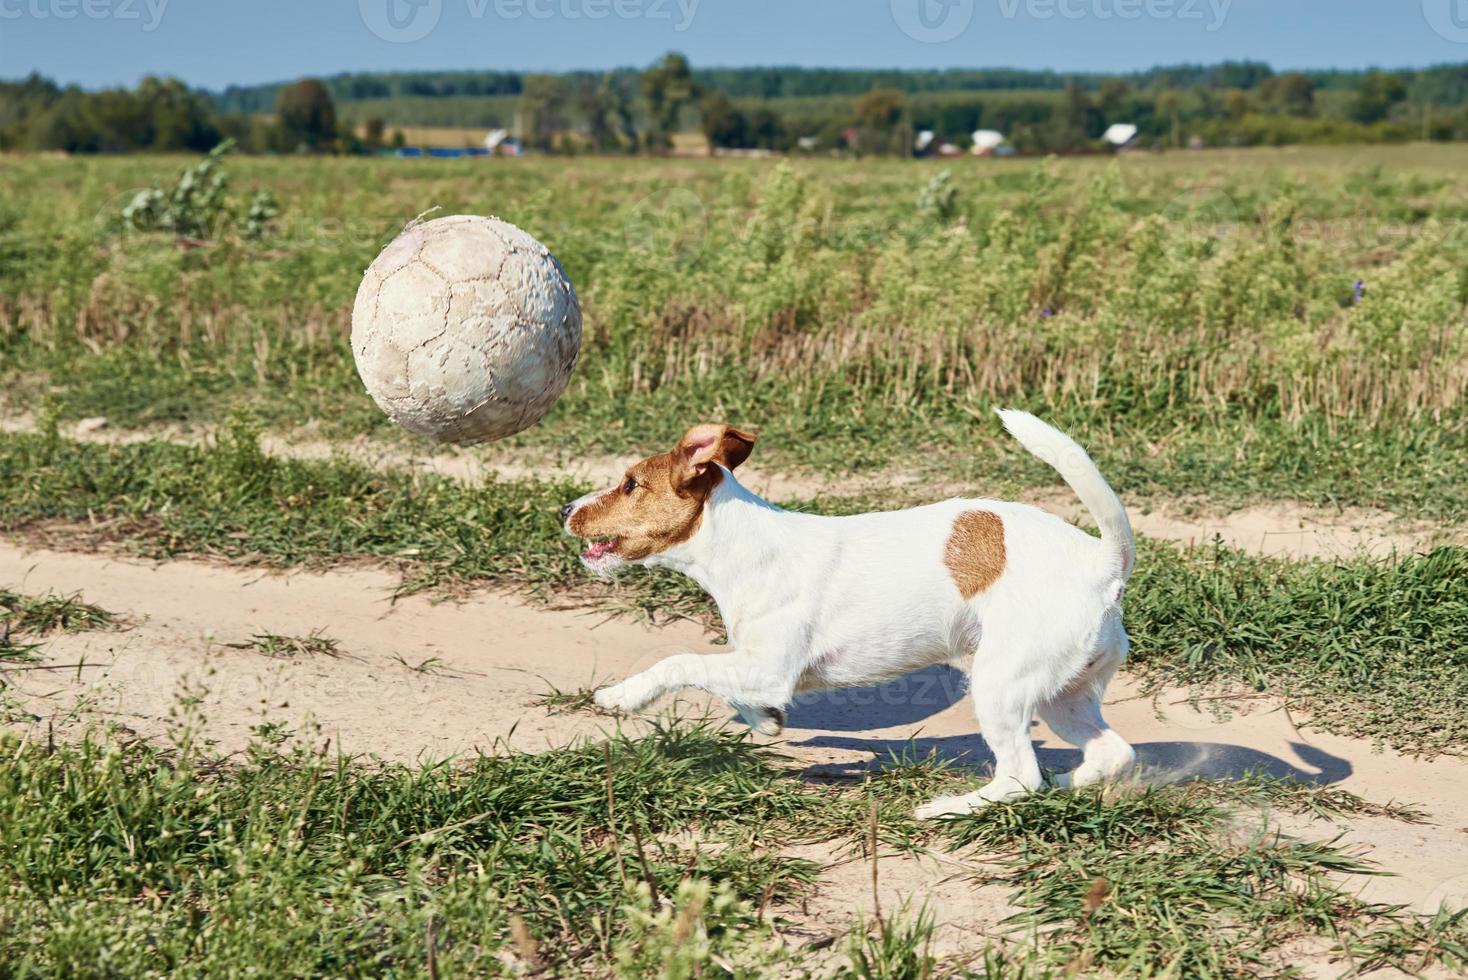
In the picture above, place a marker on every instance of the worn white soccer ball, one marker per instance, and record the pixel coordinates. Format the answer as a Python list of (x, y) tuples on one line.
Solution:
[(465, 329)]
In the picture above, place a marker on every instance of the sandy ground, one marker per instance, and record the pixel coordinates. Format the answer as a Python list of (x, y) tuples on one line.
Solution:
[(1283, 528), (419, 680)]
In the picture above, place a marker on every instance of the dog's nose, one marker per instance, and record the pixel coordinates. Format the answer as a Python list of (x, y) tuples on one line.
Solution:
[(566, 512)]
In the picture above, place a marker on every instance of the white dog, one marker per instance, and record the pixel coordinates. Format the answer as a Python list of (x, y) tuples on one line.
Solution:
[(815, 602)]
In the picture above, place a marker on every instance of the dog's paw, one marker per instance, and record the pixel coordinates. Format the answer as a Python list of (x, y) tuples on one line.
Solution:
[(948, 806), (765, 721), (771, 722), (612, 699)]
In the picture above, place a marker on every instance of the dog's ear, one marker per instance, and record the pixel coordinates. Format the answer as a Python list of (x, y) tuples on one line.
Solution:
[(713, 442)]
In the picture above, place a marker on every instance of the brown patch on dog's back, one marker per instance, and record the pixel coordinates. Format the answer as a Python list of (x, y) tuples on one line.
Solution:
[(975, 551)]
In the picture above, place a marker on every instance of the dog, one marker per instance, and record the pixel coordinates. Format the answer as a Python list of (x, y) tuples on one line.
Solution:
[(813, 602)]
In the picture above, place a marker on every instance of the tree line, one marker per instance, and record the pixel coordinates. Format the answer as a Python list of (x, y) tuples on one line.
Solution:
[(782, 109), (164, 115), (1442, 83)]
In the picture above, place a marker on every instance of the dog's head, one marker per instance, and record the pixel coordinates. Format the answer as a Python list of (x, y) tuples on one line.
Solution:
[(659, 502)]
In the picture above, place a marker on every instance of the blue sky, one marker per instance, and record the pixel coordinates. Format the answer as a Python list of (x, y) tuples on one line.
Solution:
[(214, 42)]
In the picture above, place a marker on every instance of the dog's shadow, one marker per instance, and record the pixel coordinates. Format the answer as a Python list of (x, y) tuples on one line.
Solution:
[(1160, 762), (919, 695), (906, 700)]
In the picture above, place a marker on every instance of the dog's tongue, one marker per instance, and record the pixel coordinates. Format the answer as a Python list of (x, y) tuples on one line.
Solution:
[(599, 548)]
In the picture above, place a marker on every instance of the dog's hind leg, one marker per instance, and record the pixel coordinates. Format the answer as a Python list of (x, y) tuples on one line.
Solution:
[(1004, 700), (1075, 715)]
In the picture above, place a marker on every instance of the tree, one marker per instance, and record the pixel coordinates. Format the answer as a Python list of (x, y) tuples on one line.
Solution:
[(1376, 94), (879, 122), (1292, 94), (307, 115), (766, 129), (178, 119), (616, 98), (608, 113), (543, 103), (1169, 105), (667, 87), (1236, 104), (881, 108), (723, 124), (373, 132), (1112, 97), (1081, 116)]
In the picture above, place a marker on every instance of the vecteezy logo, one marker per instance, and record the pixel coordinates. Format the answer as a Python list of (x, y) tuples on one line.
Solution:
[(400, 21), (932, 21), (1448, 18)]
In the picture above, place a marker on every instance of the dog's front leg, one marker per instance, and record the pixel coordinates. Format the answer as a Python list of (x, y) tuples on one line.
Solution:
[(753, 685)]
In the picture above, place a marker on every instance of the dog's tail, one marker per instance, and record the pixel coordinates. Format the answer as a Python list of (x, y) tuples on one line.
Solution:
[(1054, 447)]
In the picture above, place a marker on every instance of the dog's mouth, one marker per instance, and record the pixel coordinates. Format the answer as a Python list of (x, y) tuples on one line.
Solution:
[(600, 548)]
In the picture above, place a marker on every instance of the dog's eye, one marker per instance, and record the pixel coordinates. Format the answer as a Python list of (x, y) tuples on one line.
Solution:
[(630, 485)]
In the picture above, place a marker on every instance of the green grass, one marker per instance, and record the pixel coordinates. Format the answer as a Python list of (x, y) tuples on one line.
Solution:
[(1376, 648), (25, 619), (1202, 337), (281, 647), (129, 860), (559, 702), (660, 855), (897, 948), (1368, 647), (1170, 882)]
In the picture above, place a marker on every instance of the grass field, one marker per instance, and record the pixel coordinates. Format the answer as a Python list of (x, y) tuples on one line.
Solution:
[(632, 858), (1195, 315), (1222, 328)]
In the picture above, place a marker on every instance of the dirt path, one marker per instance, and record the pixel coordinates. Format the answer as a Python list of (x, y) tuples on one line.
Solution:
[(1283, 529), (424, 680)]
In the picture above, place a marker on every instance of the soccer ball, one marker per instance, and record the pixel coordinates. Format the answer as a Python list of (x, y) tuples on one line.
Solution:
[(465, 329)]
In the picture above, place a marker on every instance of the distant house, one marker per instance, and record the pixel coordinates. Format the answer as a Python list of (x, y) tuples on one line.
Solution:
[(499, 143), (1120, 135), (746, 152), (987, 142)]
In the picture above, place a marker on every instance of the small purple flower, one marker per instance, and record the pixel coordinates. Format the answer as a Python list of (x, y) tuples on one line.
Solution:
[(1046, 313), (1357, 291)]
